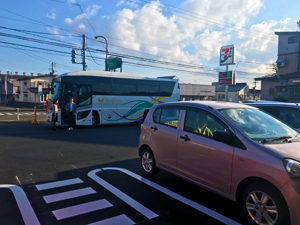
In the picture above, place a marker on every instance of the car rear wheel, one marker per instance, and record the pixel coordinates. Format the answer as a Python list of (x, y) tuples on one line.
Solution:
[(263, 204), (148, 162)]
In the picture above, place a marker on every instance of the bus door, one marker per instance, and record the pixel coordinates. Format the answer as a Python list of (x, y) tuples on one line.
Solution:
[(69, 90), (84, 105)]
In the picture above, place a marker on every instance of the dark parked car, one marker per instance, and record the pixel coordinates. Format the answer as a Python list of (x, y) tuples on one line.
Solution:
[(287, 112)]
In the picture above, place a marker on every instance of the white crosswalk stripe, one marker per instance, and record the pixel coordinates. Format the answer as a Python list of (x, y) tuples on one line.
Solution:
[(79, 209), (122, 219), (21, 113), (68, 195)]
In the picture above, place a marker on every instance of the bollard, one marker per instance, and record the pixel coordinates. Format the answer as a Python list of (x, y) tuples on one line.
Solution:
[(35, 122), (18, 118)]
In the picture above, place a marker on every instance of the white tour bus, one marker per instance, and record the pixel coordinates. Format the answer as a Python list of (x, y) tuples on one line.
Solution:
[(109, 97)]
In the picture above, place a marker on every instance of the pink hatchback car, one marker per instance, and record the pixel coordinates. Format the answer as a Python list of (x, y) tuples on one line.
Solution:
[(232, 149)]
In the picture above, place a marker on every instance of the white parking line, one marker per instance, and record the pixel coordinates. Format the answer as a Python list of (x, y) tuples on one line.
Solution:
[(68, 195), (10, 114), (81, 209), (26, 210), (56, 184), (178, 197), (1, 114), (134, 204), (122, 219)]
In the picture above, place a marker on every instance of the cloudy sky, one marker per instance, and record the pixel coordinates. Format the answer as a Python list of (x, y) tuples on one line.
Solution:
[(179, 37)]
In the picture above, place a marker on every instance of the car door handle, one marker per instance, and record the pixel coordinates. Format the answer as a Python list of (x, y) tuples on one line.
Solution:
[(185, 137), (154, 128)]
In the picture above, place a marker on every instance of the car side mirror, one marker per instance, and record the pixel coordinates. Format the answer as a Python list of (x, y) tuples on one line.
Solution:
[(223, 136)]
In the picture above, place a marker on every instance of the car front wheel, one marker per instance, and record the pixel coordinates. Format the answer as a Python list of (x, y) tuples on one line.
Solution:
[(148, 162), (263, 204)]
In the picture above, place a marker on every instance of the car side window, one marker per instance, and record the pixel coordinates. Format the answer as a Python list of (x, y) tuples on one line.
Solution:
[(200, 122), (167, 116), (156, 115), (291, 116)]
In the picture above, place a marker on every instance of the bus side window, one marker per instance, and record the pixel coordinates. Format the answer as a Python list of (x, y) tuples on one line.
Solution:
[(84, 96)]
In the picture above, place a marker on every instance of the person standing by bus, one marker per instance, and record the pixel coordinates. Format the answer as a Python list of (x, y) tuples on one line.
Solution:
[(54, 113), (71, 110)]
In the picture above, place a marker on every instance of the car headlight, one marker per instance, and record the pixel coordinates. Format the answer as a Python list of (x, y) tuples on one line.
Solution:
[(292, 167)]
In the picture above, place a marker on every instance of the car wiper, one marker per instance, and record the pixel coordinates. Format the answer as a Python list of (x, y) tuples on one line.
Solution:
[(276, 139)]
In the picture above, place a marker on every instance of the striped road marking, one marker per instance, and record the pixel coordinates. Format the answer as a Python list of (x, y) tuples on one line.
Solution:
[(130, 201), (81, 209), (122, 219), (174, 195), (56, 184), (26, 210), (68, 195)]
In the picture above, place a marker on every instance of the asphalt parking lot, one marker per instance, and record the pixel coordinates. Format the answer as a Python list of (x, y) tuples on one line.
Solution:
[(92, 176)]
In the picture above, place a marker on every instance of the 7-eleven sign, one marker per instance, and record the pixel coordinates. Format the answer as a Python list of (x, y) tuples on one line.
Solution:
[(227, 55)]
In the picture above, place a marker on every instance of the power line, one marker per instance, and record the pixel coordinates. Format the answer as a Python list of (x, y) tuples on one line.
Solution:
[(115, 54)]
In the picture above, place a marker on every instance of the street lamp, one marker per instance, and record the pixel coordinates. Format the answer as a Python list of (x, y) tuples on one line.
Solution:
[(106, 69)]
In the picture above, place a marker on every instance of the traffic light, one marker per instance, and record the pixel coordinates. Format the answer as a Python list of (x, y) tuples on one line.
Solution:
[(74, 56)]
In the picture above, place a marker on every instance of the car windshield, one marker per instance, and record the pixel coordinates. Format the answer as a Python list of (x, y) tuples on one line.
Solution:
[(258, 125)]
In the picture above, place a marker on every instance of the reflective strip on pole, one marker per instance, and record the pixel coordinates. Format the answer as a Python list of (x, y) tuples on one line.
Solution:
[(18, 118)]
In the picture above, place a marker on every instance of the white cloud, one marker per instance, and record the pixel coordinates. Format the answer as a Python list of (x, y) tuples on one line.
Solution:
[(260, 38), (159, 34), (89, 12), (208, 44), (72, 1), (204, 14), (52, 14), (78, 23), (287, 24), (126, 3), (55, 31), (68, 21)]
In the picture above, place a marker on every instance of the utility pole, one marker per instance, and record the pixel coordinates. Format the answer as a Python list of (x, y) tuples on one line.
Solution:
[(226, 88), (52, 68), (254, 89), (5, 84), (83, 53)]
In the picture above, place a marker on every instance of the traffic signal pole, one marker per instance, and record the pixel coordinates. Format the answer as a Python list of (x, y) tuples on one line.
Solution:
[(74, 54)]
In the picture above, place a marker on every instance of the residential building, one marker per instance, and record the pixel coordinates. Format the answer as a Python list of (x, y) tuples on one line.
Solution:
[(29, 87), (285, 84), (236, 93), (12, 86), (190, 92)]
